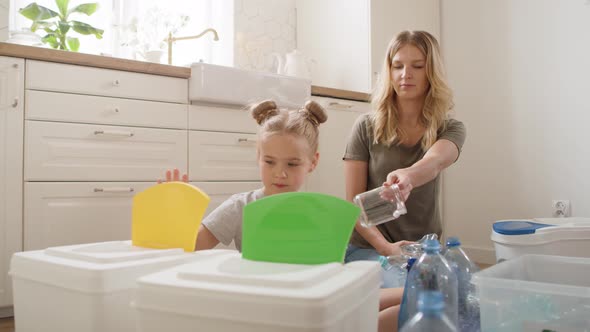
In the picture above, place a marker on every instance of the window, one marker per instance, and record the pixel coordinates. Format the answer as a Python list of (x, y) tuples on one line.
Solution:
[(134, 26)]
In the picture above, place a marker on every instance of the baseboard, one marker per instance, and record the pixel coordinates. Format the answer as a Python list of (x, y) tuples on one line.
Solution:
[(480, 255), (6, 312)]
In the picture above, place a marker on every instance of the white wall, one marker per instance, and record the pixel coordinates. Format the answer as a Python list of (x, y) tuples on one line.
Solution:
[(520, 72), (4, 4), (261, 28)]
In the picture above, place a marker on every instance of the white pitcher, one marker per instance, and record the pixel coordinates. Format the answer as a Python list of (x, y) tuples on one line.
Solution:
[(293, 64)]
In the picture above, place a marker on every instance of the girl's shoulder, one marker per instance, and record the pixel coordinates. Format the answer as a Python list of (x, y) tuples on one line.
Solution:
[(246, 197)]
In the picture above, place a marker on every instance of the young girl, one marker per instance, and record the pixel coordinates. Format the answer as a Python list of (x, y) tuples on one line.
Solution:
[(287, 152)]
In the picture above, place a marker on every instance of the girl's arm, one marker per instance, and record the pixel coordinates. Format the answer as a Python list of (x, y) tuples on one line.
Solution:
[(440, 156), (355, 175), (205, 239)]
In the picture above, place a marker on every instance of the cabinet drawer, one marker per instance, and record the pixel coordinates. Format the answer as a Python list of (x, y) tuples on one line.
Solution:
[(104, 82), (78, 152), (53, 106), (221, 119), (62, 213), (222, 157), (220, 191)]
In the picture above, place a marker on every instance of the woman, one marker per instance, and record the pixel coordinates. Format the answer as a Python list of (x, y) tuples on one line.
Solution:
[(408, 140)]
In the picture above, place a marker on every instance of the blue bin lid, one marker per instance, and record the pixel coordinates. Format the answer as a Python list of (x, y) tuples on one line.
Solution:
[(517, 227)]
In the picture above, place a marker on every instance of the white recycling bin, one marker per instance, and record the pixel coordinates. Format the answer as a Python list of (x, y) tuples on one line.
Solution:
[(221, 292), (83, 288), (542, 236)]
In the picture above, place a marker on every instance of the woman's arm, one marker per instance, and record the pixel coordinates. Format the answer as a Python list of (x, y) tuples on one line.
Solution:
[(355, 175), (440, 156)]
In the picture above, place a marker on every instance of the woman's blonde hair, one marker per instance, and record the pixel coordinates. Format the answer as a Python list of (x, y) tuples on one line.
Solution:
[(302, 122), (439, 97)]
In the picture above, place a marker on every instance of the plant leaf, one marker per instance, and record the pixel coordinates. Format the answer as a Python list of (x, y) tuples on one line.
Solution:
[(63, 7), (51, 40), (35, 12), (86, 29), (74, 44), (64, 27), (85, 8)]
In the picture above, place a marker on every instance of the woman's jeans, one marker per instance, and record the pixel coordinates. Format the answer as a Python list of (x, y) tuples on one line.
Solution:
[(390, 278)]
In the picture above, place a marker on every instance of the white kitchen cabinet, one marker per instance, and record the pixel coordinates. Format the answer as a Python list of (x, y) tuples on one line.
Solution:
[(11, 168), (56, 151), (218, 153), (222, 153), (328, 177), (61, 213), (347, 39), (93, 139)]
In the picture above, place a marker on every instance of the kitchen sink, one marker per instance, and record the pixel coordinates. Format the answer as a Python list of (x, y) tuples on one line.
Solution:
[(227, 85)]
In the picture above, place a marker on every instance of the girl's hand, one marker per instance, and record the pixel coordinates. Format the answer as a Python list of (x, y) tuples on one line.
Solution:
[(174, 176), (394, 248), (402, 178)]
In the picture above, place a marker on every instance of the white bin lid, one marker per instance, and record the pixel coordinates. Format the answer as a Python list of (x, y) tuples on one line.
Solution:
[(94, 267), (540, 230), (224, 285)]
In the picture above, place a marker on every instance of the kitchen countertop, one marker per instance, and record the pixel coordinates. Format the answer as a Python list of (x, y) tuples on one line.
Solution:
[(337, 93), (99, 61), (91, 60)]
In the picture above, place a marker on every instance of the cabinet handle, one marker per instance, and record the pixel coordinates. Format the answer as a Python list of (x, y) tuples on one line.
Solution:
[(15, 103), (113, 133), (340, 104), (15, 65), (116, 110), (116, 83), (114, 190), (246, 140)]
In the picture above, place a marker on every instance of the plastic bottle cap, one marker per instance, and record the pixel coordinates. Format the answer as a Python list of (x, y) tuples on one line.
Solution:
[(396, 214), (431, 245), (453, 241)]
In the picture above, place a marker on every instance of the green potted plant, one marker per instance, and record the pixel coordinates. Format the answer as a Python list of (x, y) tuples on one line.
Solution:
[(58, 24)]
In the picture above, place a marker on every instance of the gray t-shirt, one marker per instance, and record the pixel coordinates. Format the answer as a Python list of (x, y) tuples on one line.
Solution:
[(225, 222), (424, 215)]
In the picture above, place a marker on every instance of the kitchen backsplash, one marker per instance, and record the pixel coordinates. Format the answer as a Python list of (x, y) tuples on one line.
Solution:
[(262, 28), (4, 20)]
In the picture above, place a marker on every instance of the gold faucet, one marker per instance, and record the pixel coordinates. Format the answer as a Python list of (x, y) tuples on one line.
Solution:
[(172, 39)]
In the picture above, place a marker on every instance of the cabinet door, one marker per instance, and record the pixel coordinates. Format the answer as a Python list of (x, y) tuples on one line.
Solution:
[(11, 167), (59, 77), (64, 213), (78, 152), (328, 177), (222, 157)]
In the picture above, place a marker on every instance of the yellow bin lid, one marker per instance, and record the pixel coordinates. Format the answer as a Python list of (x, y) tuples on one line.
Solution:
[(168, 215)]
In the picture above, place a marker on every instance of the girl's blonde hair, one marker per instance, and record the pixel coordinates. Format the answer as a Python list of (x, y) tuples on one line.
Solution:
[(303, 122), (439, 98)]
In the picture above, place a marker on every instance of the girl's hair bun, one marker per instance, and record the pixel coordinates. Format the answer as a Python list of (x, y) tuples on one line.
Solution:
[(315, 112), (263, 111)]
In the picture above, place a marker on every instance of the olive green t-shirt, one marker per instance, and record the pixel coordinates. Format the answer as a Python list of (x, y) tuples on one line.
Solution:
[(424, 215)]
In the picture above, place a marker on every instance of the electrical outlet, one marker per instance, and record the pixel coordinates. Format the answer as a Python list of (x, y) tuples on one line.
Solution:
[(561, 208)]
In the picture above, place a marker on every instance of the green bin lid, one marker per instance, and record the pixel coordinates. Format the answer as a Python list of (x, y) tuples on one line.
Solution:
[(298, 228)]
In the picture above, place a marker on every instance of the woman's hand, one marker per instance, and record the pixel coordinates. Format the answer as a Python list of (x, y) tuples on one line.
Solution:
[(393, 248), (174, 175), (401, 177)]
